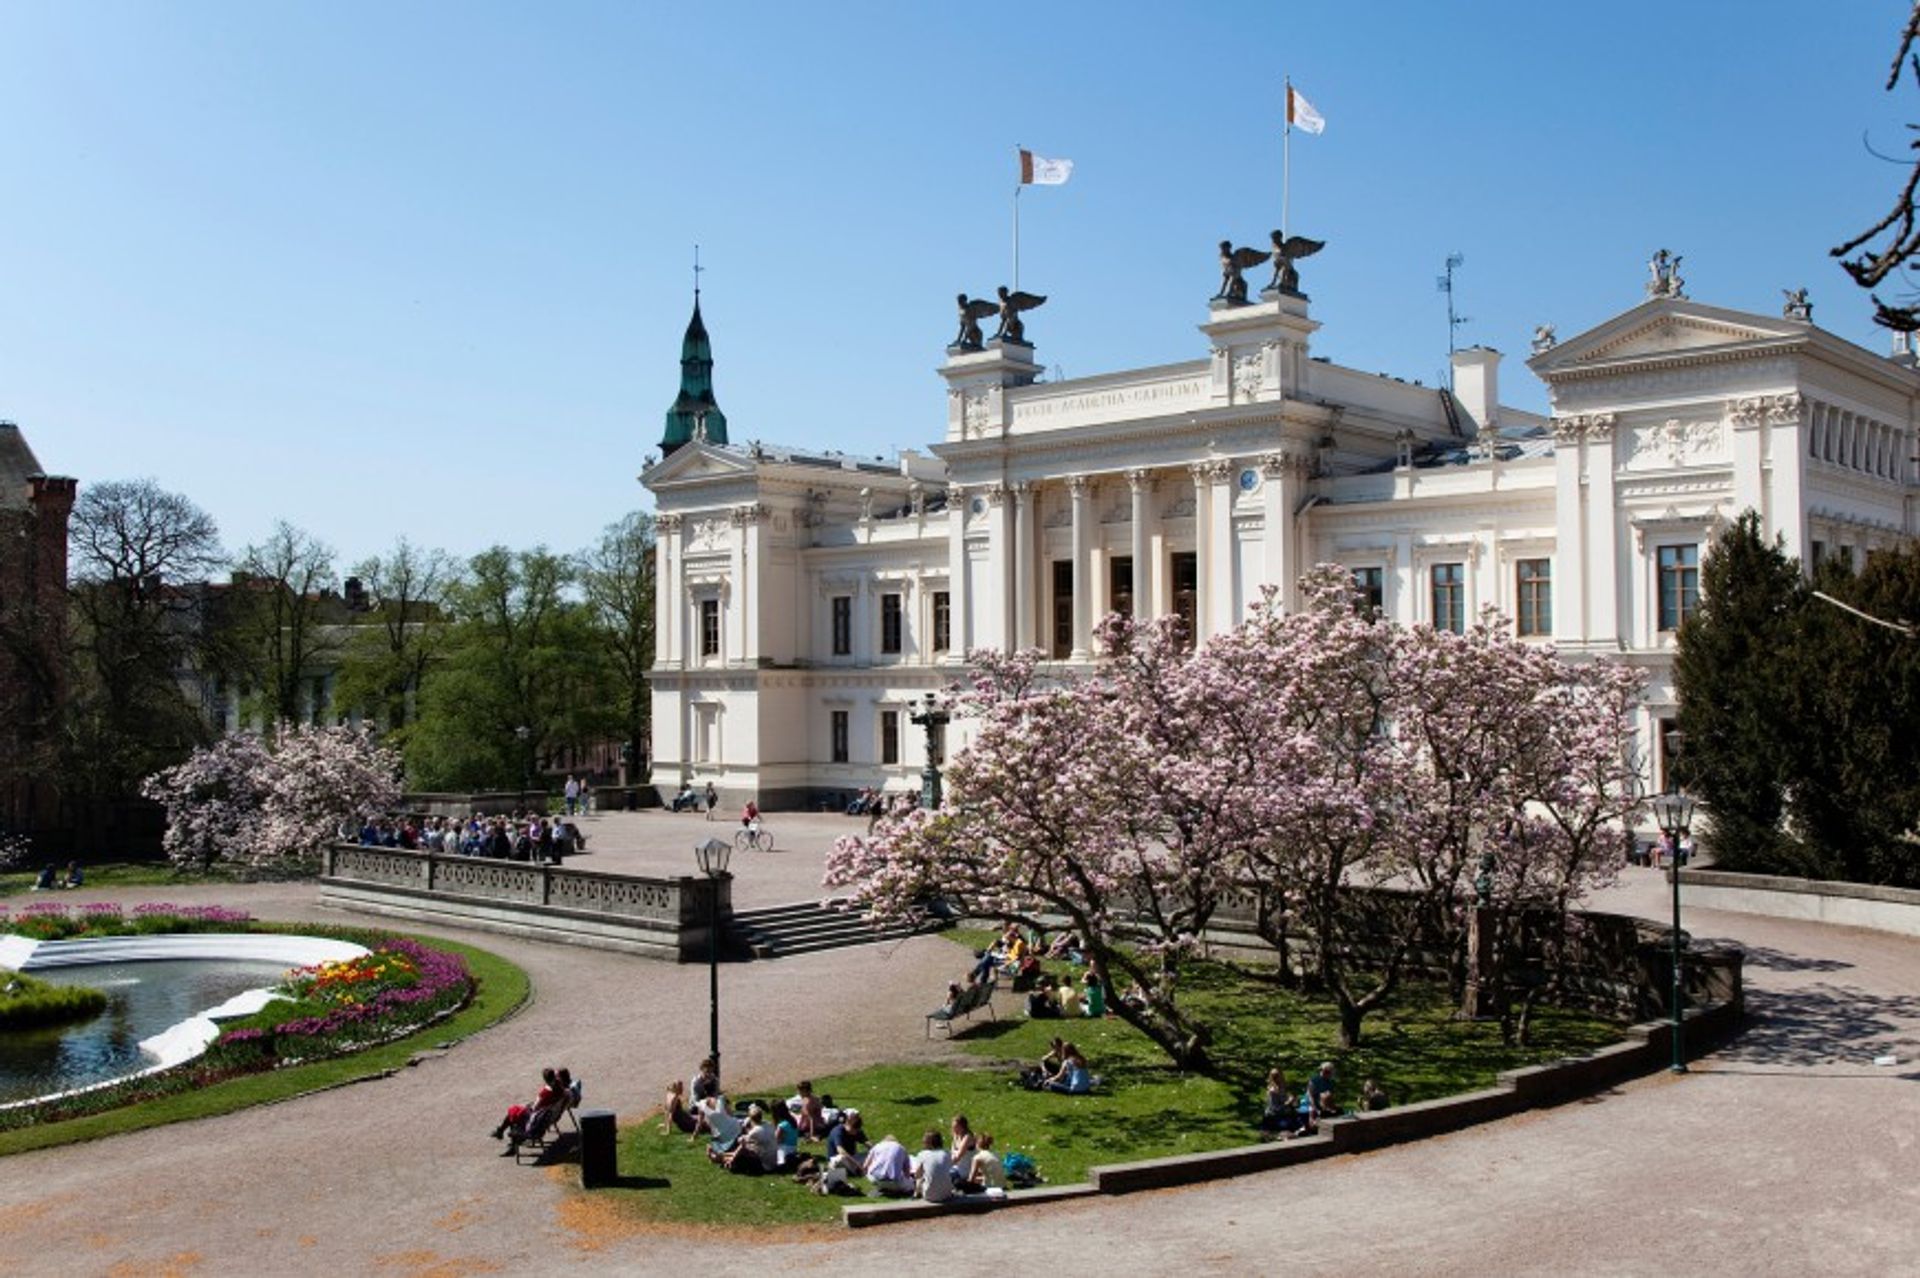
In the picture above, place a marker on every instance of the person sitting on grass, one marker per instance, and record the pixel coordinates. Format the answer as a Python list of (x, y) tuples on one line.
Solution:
[(1280, 1113), (1027, 974), (1040, 1004), (933, 1169), (809, 1112), (1372, 1096), (1069, 996), (982, 1170), (786, 1134), (45, 882), (676, 1116), (76, 877), (888, 1168), (755, 1153), (963, 1142), (711, 1117), (706, 1082), (1320, 1092), (1073, 1078)]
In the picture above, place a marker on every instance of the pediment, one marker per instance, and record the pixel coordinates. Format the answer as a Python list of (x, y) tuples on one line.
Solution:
[(1667, 326), (694, 462)]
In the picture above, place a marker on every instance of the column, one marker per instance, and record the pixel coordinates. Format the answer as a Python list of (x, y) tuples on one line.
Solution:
[(666, 607), (748, 521), (1023, 521), (1202, 549), (1221, 579), (1569, 533), (1605, 531), (1140, 485), (956, 573), (1081, 490), (733, 648), (1279, 496), (1787, 452), (997, 631)]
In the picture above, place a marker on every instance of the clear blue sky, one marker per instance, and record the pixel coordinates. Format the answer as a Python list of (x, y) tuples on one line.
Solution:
[(422, 268)]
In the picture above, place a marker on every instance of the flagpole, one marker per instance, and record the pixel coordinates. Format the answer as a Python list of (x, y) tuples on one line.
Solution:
[(1016, 219), (1286, 159)]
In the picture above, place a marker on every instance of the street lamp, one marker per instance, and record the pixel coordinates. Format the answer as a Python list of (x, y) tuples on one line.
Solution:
[(934, 719), (712, 857), (523, 734), (1673, 812)]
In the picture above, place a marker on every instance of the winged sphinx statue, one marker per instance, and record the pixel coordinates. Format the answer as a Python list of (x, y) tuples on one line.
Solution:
[(1288, 249), (1234, 263), (972, 311), (1012, 328)]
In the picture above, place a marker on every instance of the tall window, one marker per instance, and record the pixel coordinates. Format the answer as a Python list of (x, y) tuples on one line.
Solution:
[(842, 625), (1372, 585), (1062, 608), (840, 736), (709, 627), (889, 736), (942, 621), (1120, 584), (890, 623), (1533, 586), (1450, 597), (1184, 576), (1679, 584)]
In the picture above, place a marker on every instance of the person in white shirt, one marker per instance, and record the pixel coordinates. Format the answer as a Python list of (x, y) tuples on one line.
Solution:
[(932, 1169), (983, 1171), (888, 1168), (756, 1152)]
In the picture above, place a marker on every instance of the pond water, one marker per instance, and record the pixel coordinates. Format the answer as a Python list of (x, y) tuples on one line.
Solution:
[(144, 998)]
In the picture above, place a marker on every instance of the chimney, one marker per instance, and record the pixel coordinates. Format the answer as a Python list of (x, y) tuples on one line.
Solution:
[(356, 595), (1476, 385)]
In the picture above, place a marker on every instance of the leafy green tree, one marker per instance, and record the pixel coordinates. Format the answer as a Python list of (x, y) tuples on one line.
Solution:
[(1854, 687), (288, 619), (395, 641), (519, 675), (617, 580), (1738, 737)]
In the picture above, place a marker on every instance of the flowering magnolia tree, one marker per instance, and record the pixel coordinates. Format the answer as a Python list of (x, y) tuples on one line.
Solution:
[(1298, 757), (239, 801)]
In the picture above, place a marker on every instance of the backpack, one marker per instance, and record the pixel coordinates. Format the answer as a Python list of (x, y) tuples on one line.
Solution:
[(1020, 1171)]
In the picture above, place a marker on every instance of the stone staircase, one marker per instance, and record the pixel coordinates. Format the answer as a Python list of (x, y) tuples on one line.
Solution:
[(780, 930)]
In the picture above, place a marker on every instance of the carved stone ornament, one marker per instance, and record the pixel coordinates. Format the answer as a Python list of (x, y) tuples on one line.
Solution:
[(866, 504), (977, 413), (745, 516), (996, 494), (1663, 271), (1276, 465), (1210, 472), (1140, 481), (1567, 430), (1682, 442), (1786, 410), (1249, 375), (668, 524), (708, 533), (1079, 485), (1600, 426), (1798, 306), (1746, 411)]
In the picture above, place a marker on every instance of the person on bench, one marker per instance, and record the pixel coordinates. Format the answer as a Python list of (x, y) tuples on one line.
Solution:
[(566, 1094), (514, 1125)]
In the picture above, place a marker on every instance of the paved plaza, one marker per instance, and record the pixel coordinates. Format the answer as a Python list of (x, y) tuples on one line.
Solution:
[(1788, 1152)]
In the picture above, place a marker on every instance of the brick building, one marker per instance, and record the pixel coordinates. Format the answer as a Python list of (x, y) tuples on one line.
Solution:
[(34, 508)]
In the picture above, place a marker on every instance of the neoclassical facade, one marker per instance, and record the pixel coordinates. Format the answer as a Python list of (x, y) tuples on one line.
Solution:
[(808, 600)]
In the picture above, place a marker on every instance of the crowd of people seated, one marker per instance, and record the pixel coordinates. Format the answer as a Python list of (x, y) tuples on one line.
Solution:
[(524, 836), (1285, 1113)]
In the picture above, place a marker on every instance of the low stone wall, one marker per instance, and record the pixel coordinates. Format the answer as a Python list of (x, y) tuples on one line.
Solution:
[(657, 918), (1648, 1048), (491, 803), (1884, 909)]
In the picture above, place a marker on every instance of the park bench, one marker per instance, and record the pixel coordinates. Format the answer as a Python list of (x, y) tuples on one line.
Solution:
[(973, 998)]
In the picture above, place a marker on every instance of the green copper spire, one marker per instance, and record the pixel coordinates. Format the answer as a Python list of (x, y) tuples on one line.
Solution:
[(696, 390)]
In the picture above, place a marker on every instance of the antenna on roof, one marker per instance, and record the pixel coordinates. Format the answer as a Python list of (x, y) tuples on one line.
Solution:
[(1454, 319), (697, 268)]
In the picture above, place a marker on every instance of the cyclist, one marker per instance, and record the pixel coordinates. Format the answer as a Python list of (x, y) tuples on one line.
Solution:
[(750, 817)]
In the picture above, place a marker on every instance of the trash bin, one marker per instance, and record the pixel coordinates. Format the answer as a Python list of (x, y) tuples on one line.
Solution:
[(598, 1148), (633, 800)]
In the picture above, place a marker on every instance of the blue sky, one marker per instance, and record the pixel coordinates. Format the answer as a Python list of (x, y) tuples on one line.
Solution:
[(422, 269)]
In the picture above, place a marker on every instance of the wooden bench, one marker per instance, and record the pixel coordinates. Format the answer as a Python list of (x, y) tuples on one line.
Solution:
[(973, 998)]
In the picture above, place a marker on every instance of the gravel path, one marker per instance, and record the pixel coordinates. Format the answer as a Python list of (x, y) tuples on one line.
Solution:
[(1788, 1152)]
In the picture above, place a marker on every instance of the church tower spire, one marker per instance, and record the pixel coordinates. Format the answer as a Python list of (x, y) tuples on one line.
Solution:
[(695, 412)]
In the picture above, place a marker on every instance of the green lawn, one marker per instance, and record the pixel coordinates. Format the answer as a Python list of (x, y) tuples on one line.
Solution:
[(500, 988), (1144, 1107), (113, 874)]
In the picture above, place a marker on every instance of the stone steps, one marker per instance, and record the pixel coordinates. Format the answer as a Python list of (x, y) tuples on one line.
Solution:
[(810, 926)]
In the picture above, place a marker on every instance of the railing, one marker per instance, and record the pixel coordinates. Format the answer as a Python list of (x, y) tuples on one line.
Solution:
[(580, 906)]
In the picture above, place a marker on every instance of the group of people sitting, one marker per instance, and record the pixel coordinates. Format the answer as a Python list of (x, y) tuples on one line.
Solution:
[(1019, 958), (1285, 1114), (525, 836), (765, 1140), (528, 1123), (49, 878), (1063, 1069), (692, 800)]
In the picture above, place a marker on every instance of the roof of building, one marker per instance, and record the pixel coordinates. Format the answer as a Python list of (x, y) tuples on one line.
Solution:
[(17, 464)]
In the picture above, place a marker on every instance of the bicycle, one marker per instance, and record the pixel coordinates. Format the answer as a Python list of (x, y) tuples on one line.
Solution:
[(753, 839)]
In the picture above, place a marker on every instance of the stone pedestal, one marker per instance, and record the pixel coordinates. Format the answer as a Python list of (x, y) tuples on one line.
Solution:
[(1259, 348)]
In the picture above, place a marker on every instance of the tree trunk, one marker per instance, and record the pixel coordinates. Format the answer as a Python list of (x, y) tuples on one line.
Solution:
[(1351, 1015)]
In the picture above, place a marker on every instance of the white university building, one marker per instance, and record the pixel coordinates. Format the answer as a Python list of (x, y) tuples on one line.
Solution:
[(809, 601)]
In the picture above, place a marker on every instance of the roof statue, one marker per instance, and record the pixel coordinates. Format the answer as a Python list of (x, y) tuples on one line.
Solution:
[(972, 311), (1544, 339), (1798, 306), (1012, 328), (1663, 271), (1288, 249), (1234, 262)]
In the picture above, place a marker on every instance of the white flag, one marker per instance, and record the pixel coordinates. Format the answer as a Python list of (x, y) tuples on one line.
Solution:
[(1301, 115), (1038, 170)]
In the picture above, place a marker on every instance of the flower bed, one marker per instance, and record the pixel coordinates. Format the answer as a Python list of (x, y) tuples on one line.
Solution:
[(334, 1009)]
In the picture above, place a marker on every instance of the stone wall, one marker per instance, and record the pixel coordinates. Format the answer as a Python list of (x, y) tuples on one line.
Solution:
[(1885, 909)]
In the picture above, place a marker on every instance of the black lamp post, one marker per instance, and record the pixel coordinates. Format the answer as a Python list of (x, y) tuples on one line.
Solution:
[(934, 719), (1673, 812), (522, 734), (712, 857)]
